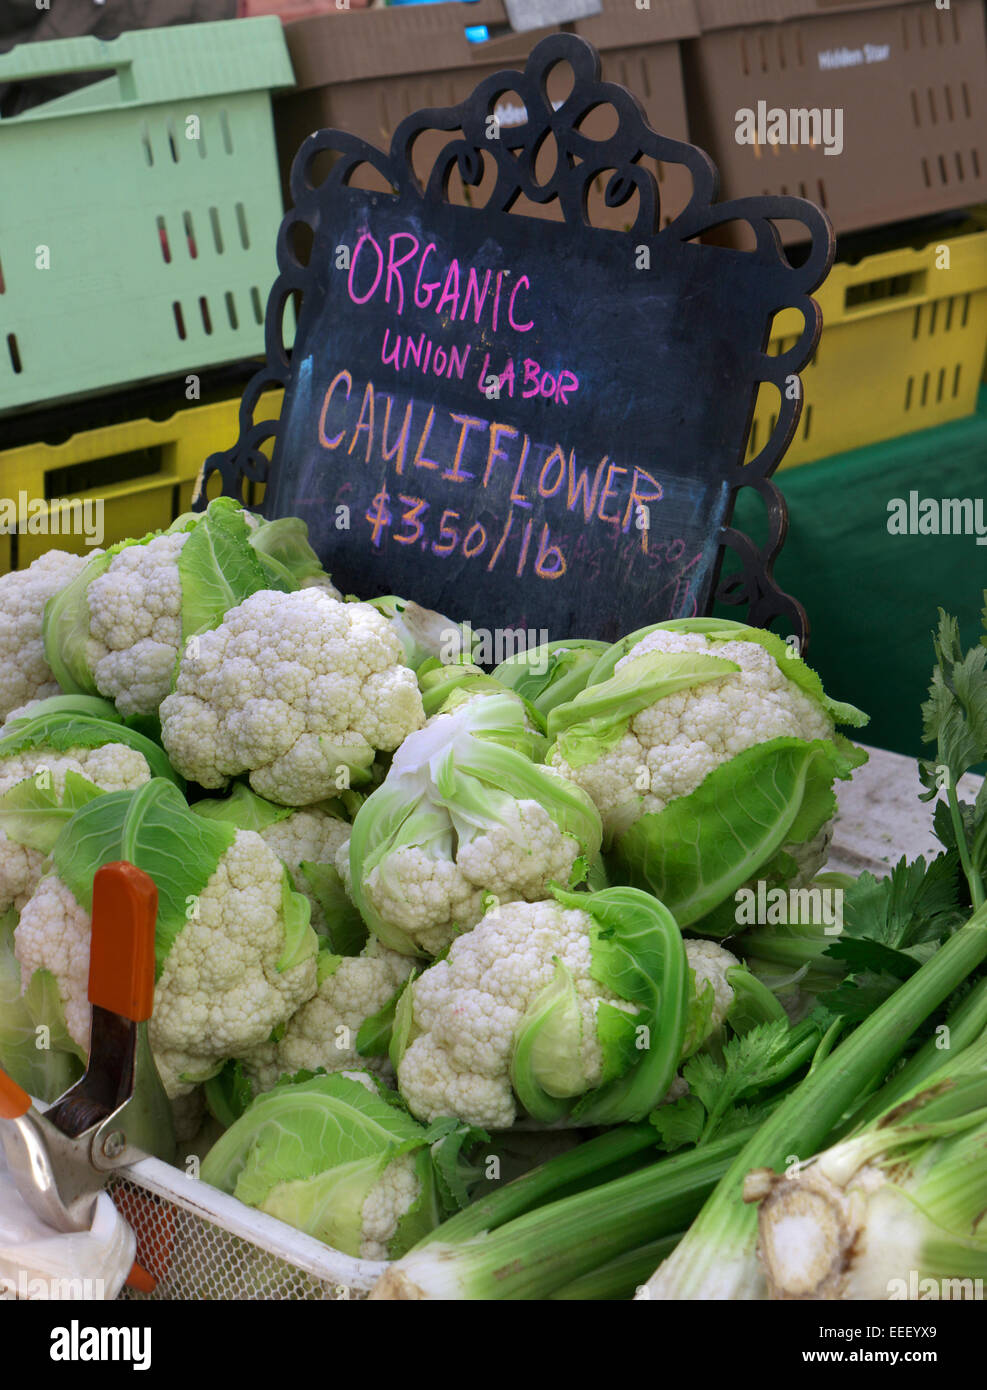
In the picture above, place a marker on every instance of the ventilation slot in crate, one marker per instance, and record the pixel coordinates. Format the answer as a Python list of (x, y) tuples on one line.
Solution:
[(932, 387), (241, 222), (217, 232), (884, 288), (94, 475), (163, 241)]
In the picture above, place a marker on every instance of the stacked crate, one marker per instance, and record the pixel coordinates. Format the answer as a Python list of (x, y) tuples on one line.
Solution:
[(137, 236), (905, 306)]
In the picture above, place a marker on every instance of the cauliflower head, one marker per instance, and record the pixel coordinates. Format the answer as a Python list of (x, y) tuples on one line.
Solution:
[(220, 993), (117, 628), (289, 688), (392, 1197), (24, 672), (308, 836), (335, 1157), (135, 624), (467, 1008), (52, 933), (113, 767), (306, 840), (672, 745), (709, 963), (419, 890), (323, 1031), (461, 816), (436, 891)]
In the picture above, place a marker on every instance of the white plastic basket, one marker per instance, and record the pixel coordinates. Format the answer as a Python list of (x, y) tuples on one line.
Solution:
[(201, 1244)]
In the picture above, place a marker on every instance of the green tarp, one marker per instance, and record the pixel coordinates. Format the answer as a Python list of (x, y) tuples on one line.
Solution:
[(872, 597)]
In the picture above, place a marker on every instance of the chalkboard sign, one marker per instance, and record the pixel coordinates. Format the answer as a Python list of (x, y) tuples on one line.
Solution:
[(534, 424)]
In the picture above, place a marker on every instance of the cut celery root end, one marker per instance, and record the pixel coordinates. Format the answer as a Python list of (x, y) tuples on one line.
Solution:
[(806, 1233)]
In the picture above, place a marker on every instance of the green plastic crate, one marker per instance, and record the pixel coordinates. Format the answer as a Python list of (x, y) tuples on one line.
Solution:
[(161, 247)]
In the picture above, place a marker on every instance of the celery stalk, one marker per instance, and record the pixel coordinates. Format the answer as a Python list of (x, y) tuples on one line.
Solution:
[(534, 1255), (619, 1278), (717, 1258)]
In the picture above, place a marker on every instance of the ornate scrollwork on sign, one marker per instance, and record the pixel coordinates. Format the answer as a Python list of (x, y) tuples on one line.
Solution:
[(476, 143)]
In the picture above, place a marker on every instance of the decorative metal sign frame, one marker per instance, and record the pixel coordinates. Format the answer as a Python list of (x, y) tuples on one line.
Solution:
[(581, 161)]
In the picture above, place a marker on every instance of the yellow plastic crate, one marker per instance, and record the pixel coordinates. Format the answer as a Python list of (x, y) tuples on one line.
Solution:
[(169, 452), (902, 349)]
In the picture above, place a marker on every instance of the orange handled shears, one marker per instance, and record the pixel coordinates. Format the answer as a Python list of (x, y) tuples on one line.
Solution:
[(60, 1158)]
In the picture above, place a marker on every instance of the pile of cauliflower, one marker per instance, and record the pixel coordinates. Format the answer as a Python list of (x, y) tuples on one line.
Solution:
[(363, 812)]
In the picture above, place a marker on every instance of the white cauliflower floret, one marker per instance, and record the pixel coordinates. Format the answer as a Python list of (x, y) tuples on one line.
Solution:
[(433, 897), (20, 870), (24, 711), (424, 895), (323, 1031), (467, 1009), (24, 673), (53, 934), (612, 782), (396, 1192), (114, 767), (220, 993), (309, 836), (280, 686), (135, 624), (710, 962), (459, 819), (525, 870), (673, 744)]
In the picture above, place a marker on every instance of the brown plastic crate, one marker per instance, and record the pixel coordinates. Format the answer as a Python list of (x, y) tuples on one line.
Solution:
[(365, 71), (915, 104)]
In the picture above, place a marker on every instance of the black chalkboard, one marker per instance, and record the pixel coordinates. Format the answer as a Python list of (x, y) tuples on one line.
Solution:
[(533, 424)]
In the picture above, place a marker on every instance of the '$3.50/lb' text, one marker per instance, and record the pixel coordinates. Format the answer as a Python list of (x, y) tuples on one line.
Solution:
[(472, 540)]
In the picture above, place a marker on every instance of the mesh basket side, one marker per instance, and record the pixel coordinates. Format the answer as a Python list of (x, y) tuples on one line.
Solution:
[(194, 1259)]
